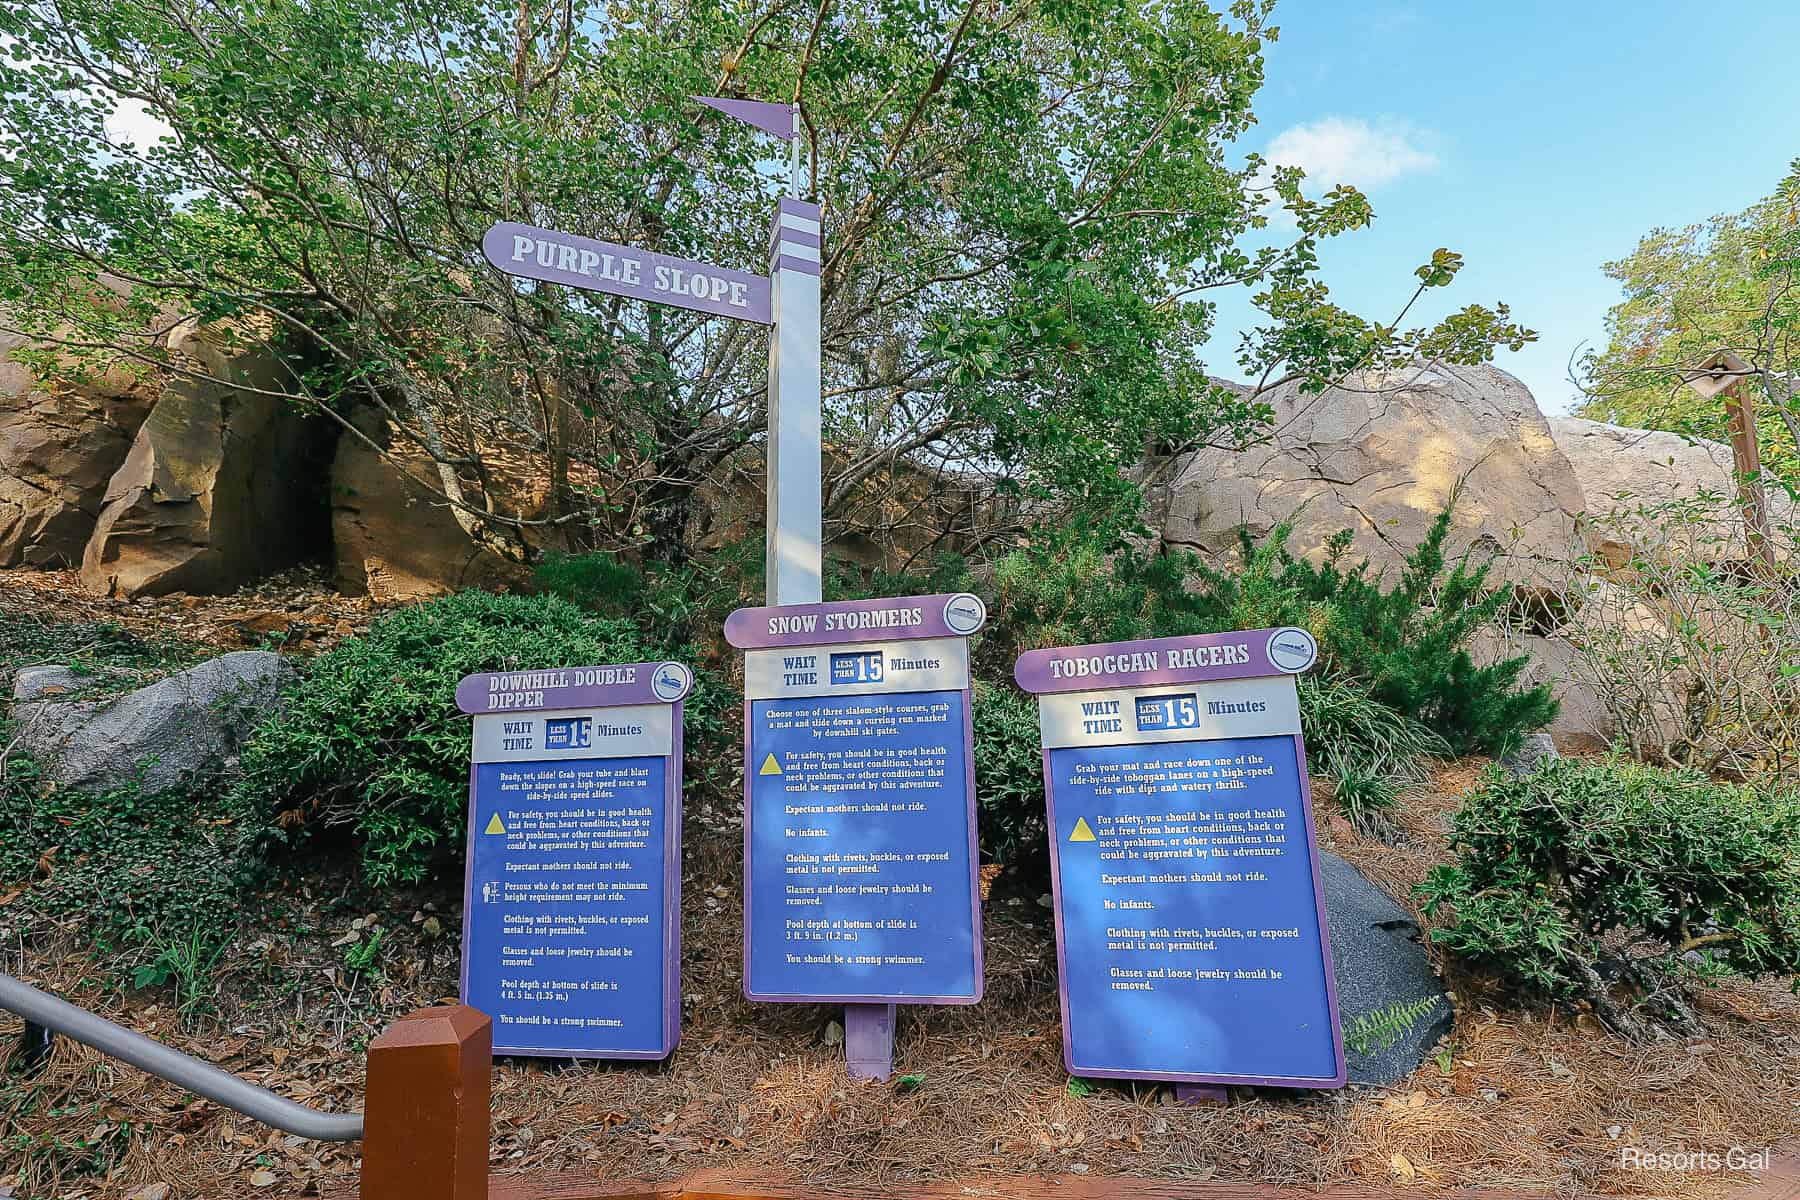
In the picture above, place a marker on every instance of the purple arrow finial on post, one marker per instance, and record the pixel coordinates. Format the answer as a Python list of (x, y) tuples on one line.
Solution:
[(776, 119)]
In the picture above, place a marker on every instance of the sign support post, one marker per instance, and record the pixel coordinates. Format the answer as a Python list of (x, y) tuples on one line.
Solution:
[(1725, 375), (795, 538), (794, 548), (788, 300), (796, 528)]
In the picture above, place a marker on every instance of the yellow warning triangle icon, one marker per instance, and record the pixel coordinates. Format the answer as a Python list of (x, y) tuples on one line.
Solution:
[(1081, 833), (494, 825), (770, 766)]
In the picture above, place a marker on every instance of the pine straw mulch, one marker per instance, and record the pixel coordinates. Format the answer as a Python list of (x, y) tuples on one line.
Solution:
[(1533, 1099), (298, 610)]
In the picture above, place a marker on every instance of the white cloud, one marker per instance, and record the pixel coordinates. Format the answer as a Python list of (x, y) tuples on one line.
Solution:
[(132, 123), (1334, 150)]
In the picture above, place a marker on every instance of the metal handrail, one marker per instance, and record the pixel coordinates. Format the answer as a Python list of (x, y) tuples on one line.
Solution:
[(166, 1062)]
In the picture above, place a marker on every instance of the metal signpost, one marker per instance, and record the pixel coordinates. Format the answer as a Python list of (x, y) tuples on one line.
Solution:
[(860, 853), (572, 903), (787, 300), (1190, 919)]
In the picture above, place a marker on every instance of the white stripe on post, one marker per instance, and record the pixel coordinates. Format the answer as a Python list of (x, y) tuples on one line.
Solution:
[(795, 463)]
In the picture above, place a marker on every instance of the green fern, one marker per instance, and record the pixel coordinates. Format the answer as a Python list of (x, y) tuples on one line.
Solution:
[(1380, 1029)]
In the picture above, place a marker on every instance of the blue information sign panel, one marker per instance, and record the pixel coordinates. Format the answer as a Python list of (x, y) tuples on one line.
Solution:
[(1190, 928), (860, 884), (859, 848), (571, 920)]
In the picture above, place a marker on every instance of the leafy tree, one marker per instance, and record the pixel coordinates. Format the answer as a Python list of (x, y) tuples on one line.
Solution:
[(1729, 283), (1027, 205)]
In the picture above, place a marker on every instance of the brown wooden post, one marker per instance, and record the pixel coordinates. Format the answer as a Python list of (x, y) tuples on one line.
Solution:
[(1746, 458), (426, 1115), (1724, 376)]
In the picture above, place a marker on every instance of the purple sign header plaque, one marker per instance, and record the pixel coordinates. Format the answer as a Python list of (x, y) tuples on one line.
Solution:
[(574, 687), (956, 614), (1197, 659)]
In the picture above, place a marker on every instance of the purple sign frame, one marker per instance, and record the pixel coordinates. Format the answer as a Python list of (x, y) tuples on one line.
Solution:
[(1250, 654), (610, 686), (582, 689), (755, 628), (1151, 662), (596, 266), (947, 614)]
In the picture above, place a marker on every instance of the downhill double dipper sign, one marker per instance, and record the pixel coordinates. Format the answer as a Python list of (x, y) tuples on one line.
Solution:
[(572, 906), (1190, 920), (859, 831)]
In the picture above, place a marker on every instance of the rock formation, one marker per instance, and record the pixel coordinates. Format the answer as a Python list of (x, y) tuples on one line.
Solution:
[(59, 444), (1392, 1005), (1381, 456), (393, 536), (221, 486), (1630, 479), (171, 731)]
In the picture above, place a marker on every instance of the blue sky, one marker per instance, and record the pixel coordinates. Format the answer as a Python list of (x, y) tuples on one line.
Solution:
[(1537, 139)]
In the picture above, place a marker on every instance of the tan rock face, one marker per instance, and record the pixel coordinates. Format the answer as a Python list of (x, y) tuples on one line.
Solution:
[(1632, 479), (394, 538), (1381, 457), (222, 485), (59, 444)]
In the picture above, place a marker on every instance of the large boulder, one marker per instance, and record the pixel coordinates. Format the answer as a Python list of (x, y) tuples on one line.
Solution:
[(1583, 720), (1391, 1003), (222, 484), (1382, 456), (59, 444), (172, 731), (1635, 481), (393, 534)]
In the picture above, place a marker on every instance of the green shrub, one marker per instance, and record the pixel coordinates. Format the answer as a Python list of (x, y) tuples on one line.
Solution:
[(943, 573), (1371, 752), (1586, 878), (1080, 591), (372, 739), (1009, 783), (153, 882), (1394, 682), (1406, 645), (677, 609)]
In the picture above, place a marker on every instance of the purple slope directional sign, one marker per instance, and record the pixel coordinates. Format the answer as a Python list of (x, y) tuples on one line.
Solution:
[(572, 903), (1190, 919), (860, 865), (533, 253)]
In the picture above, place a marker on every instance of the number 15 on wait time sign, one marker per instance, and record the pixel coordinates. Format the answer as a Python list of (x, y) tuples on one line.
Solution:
[(1168, 712)]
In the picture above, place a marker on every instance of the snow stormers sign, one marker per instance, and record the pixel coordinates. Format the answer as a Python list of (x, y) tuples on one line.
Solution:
[(572, 909), (859, 832), (1190, 921)]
